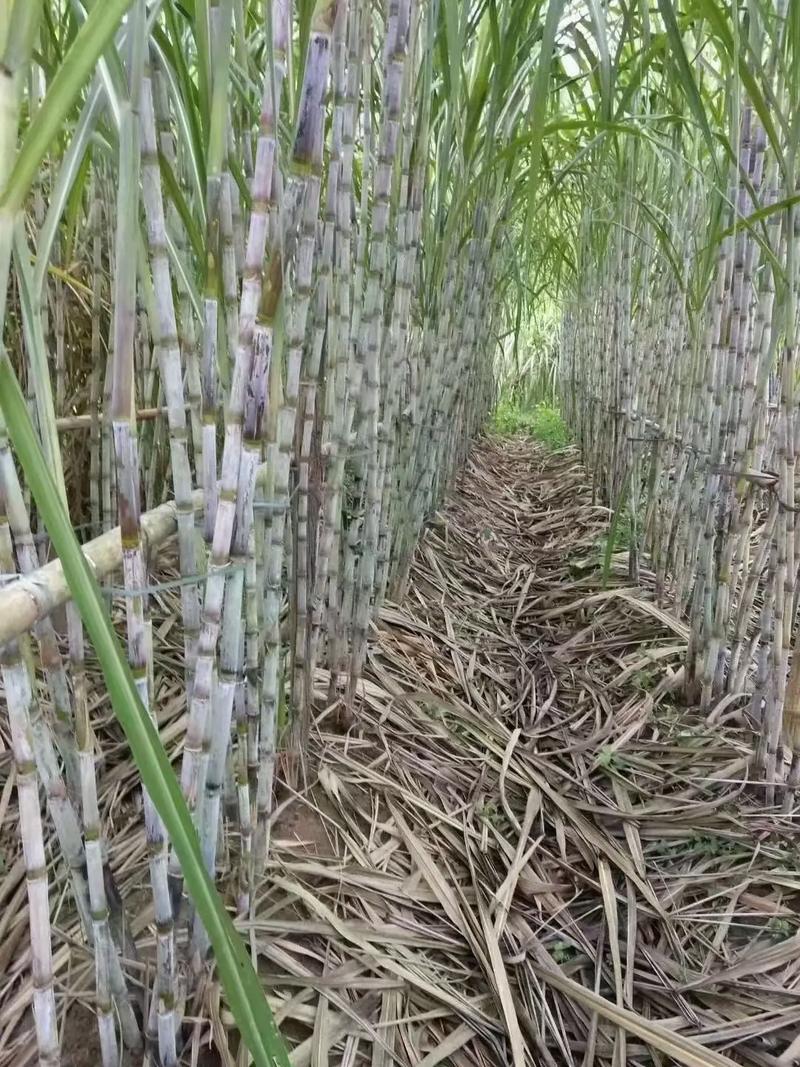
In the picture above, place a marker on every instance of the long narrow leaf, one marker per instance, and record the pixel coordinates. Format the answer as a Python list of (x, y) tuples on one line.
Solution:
[(62, 94)]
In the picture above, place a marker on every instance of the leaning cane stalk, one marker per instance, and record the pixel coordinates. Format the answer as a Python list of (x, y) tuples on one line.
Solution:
[(231, 650), (396, 344), (62, 803), (230, 280), (215, 375), (272, 546), (60, 798), (259, 754), (18, 699), (185, 317), (212, 360), (95, 223), (52, 662), (350, 545)]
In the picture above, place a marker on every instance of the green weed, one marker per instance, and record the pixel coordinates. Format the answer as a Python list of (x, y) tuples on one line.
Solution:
[(542, 422), (490, 813), (618, 537), (779, 929), (713, 845), (563, 952), (607, 758), (644, 680)]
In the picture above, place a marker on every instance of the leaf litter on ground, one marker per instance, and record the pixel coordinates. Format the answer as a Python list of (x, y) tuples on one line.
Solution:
[(518, 850)]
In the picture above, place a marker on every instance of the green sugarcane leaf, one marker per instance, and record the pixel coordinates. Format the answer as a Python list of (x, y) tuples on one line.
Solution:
[(687, 79), (220, 65), (68, 171), (601, 40), (760, 214), (175, 193), (63, 92), (37, 356), (719, 21), (539, 100), (184, 99), (74, 210)]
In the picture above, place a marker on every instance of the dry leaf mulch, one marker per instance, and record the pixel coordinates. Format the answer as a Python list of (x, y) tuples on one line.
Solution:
[(522, 850)]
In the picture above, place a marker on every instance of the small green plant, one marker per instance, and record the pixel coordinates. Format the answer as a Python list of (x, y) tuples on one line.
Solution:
[(617, 539), (542, 422), (712, 845), (621, 533), (645, 679), (563, 952), (550, 428), (607, 758), (490, 813), (779, 929)]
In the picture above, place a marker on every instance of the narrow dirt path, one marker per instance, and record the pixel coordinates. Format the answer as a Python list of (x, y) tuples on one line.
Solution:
[(522, 832)]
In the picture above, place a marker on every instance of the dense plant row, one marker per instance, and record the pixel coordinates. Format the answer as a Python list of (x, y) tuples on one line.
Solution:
[(679, 342), (257, 260), (257, 265)]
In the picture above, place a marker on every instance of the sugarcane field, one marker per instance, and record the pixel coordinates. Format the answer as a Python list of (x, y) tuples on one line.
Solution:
[(399, 557)]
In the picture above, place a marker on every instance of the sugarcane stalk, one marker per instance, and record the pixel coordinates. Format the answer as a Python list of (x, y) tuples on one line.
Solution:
[(162, 1022), (299, 213), (18, 698), (337, 548), (96, 228), (195, 754), (110, 984), (339, 408), (171, 374), (396, 47), (305, 646)]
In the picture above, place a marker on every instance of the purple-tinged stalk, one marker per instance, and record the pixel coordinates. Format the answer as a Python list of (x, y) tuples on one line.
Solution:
[(335, 445), (162, 1023), (165, 330), (299, 212), (305, 540), (200, 730), (371, 333)]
